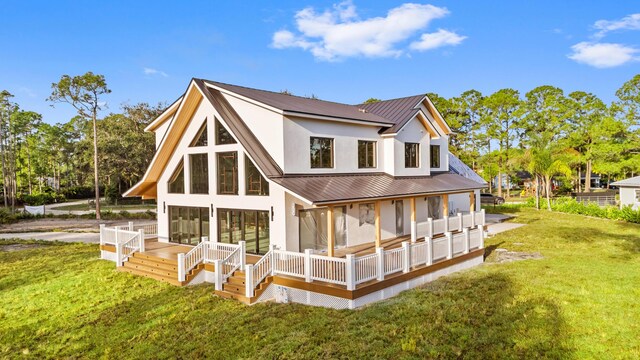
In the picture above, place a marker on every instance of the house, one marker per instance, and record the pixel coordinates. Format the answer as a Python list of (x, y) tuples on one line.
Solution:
[(629, 192), (274, 196)]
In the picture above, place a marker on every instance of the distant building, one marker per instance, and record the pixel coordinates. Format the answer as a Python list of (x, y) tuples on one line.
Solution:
[(629, 192)]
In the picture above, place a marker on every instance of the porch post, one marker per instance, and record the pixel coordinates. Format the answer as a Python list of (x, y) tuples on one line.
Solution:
[(380, 263), (445, 204), (472, 202), (406, 254), (467, 240), (218, 274), (350, 272), (141, 234), (243, 249), (449, 236), (181, 270), (101, 234), (330, 232), (377, 222), (248, 280), (414, 224), (429, 241), (481, 228)]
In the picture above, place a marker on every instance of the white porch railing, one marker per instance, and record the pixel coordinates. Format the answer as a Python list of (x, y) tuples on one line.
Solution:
[(188, 261), (290, 263), (226, 267), (329, 269), (128, 242)]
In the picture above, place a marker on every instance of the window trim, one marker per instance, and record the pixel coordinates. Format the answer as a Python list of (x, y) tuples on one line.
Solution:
[(431, 147), (417, 155), (264, 184), (217, 127), (191, 156), (179, 169), (201, 131), (219, 174), (332, 164), (375, 154)]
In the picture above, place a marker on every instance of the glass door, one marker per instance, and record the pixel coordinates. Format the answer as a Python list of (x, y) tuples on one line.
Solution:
[(252, 226), (188, 224)]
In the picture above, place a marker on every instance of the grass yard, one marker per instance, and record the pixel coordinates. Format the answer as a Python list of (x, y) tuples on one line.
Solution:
[(580, 301)]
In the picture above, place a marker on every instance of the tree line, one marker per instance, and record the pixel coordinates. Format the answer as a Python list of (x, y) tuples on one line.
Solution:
[(547, 133), (39, 158)]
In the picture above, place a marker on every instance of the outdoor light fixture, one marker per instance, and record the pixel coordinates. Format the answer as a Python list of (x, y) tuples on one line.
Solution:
[(164, 207), (272, 213)]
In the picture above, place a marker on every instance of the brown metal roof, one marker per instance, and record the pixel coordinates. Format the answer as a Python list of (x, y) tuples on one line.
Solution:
[(398, 111), (326, 189), (303, 105), (249, 142)]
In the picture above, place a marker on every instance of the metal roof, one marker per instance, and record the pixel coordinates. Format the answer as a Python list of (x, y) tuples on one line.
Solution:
[(398, 111), (303, 105), (457, 166), (353, 187), (630, 182)]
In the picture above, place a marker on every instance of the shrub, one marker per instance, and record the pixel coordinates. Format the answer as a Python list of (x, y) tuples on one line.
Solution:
[(571, 206), (79, 192), (43, 198)]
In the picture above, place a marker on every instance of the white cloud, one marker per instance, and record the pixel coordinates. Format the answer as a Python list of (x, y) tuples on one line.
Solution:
[(436, 40), (151, 71), (339, 32), (603, 55), (630, 22)]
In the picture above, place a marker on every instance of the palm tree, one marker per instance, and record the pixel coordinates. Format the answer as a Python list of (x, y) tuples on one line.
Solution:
[(544, 163)]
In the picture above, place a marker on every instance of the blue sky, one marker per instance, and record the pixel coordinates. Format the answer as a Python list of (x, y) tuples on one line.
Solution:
[(345, 52)]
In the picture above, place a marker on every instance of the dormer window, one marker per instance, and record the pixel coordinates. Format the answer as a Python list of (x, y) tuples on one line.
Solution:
[(411, 155), (321, 153), (435, 156)]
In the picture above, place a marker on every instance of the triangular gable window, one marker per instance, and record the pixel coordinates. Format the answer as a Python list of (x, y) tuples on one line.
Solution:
[(201, 136), (222, 135), (176, 182)]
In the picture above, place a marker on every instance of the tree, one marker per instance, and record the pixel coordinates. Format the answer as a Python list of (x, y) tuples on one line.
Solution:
[(372, 100), (84, 93), (502, 117), (24, 124), (544, 163)]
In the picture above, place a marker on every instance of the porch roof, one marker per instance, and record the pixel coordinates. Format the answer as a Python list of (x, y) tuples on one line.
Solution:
[(343, 188)]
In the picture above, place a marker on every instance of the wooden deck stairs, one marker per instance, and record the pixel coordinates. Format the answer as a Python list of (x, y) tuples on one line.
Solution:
[(234, 288), (158, 268)]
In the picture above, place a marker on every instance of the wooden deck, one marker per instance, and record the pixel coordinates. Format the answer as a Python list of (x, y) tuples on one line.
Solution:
[(170, 251), (370, 247)]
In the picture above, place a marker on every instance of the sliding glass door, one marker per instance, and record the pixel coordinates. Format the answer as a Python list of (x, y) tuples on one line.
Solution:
[(252, 226), (188, 224)]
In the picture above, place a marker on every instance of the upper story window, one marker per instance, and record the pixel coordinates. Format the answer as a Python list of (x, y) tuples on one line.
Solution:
[(366, 154), (411, 155), (228, 173), (176, 181), (321, 152), (256, 184), (435, 156), (222, 135), (199, 173), (201, 137)]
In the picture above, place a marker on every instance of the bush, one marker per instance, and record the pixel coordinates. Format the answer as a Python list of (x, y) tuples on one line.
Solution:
[(79, 192), (571, 206), (44, 198), (112, 194), (6, 217)]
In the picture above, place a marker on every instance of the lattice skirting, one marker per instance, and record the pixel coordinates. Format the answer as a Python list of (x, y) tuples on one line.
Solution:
[(285, 294)]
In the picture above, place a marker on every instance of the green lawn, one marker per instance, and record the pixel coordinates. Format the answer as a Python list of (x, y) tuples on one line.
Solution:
[(580, 301), (103, 207)]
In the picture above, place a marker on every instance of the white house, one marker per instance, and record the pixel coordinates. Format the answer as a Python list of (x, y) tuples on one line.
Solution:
[(270, 195), (629, 192)]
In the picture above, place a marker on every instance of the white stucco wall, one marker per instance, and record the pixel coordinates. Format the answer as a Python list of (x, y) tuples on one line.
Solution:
[(628, 197), (241, 201), (298, 133)]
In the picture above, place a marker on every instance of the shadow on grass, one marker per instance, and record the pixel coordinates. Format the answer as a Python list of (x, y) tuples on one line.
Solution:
[(490, 249)]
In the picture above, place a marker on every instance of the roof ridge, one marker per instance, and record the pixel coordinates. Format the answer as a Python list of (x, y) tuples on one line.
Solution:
[(278, 93), (394, 99)]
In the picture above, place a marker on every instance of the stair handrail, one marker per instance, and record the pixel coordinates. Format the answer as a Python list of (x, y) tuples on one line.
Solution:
[(191, 259), (263, 268), (133, 242), (234, 261)]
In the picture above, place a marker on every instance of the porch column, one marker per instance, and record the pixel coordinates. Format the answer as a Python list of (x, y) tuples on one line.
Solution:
[(414, 224), (330, 232), (472, 201), (445, 204), (377, 222)]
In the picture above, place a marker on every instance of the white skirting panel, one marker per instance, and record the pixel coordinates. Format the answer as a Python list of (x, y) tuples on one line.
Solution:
[(108, 255), (284, 294)]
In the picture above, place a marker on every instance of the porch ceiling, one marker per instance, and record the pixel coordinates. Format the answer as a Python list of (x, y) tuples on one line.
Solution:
[(329, 189)]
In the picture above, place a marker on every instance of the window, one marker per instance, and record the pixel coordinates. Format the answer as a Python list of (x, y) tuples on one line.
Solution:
[(201, 137), (252, 226), (638, 196), (367, 214), (176, 182), (255, 183), (411, 151), (228, 173), (321, 152), (366, 154), (223, 136), (188, 225), (434, 207), (435, 156), (199, 171)]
